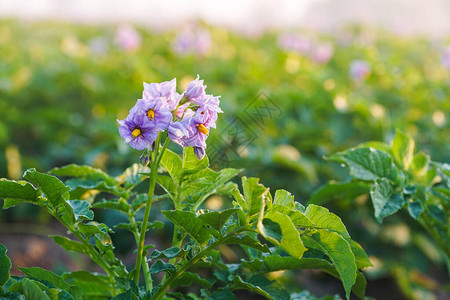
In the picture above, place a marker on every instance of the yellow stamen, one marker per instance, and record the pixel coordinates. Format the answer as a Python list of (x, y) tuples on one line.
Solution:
[(136, 132), (151, 114), (202, 129)]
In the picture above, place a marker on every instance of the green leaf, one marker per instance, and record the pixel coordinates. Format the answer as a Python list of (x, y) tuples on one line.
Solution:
[(73, 170), (116, 204), (160, 266), (403, 149), (306, 295), (81, 209), (444, 168), (87, 276), (168, 185), (415, 208), (44, 275), (199, 186), (248, 241), (284, 198), (199, 230), (191, 163), (5, 265), (93, 228), (361, 258), (254, 194), (69, 245), (168, 253), (55, 191), (128, 295), (92, 284), (134, 175), (279, 230), (224, 294), (15, 192), (173, 164), (217, 219), (360, 285), (368, 163), (338, 190), (57, 294), (438, 214), (275, 262), (420, 163), (32, 290), (187, 278), (272, 290), (339, 252), (377, 145), (385, 201), (299, 219), (323, 218), (80, 184)]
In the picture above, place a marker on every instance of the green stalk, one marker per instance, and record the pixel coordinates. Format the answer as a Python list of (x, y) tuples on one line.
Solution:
[(156, 159), (148, 206), (145, 268), (94, 255), (162, 289)]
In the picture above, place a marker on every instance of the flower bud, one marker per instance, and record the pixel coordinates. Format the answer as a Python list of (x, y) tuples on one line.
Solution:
[(199, 152), (145, 158)]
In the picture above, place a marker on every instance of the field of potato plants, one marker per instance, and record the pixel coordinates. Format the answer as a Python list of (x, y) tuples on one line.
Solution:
[(206, 163)]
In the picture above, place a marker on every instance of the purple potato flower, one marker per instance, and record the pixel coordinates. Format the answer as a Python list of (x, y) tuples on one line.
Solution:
[(188, 122), (166, 90), (192, 131), (156, 110), (210, 104), (359, 70), (137, 130), (195, 89)]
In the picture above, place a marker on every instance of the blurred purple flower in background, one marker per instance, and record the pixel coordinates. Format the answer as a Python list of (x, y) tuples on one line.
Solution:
[(359, 70), (445, 57), (294, 42), (192, 41), (320, 52), (323, 52), (127, 38)]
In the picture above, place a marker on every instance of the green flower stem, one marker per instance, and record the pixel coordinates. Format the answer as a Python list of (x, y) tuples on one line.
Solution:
[(145, 268), (162, 289), (156, 159)]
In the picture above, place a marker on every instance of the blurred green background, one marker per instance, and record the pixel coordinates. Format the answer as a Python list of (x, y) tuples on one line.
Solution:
[(289, 99)]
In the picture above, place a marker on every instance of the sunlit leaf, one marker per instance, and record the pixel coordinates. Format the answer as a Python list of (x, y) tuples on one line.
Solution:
[(199, 230), (368, 163), (385, 201), (279, 230), (403, 149), (339, 252), (5, 265)]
